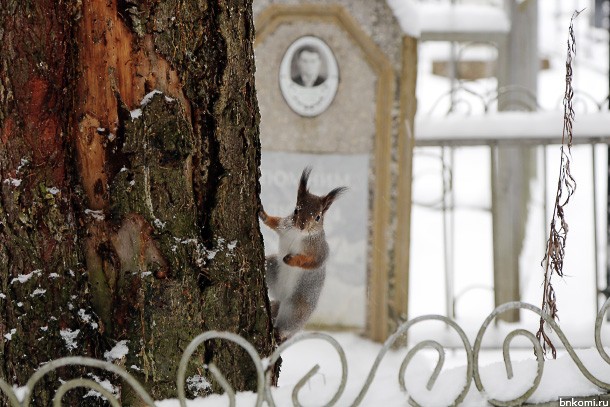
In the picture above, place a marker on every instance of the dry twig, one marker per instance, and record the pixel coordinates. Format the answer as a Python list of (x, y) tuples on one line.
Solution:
[(566, 185)]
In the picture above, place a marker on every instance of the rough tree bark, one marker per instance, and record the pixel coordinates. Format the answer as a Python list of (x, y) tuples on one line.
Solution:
[(129, 161)]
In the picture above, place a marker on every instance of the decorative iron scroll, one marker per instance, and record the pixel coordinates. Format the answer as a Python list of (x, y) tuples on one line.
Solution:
[(263, 371)]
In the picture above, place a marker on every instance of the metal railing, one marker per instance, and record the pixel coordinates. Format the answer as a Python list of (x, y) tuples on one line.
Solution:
[(444, 133), (264, 369)]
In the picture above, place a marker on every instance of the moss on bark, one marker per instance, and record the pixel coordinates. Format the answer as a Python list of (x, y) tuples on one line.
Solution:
[(147, 218), (45, 296), (210, 45)]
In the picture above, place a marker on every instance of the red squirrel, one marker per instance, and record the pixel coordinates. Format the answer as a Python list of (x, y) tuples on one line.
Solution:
[(295, 275)]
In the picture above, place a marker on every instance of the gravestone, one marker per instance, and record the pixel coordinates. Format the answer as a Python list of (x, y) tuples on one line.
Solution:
[(331, 95)]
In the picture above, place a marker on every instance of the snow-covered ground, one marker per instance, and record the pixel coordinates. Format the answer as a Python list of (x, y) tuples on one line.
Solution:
[(576, 297)]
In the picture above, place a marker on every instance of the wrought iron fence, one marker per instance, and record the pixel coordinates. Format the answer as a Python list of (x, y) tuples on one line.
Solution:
[(465, 101), (263, 368)]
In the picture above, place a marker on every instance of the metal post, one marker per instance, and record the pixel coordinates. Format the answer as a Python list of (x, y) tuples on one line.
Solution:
[(514, 165), (595, 238), (545, 201), (452, 65), (447, 209), (606, 291)]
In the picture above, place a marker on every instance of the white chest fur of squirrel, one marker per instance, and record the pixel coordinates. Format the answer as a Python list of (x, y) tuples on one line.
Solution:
[(295, 275)]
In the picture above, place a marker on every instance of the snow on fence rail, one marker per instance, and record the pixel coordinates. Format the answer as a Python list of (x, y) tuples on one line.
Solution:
[(263, 368), (509, 128)]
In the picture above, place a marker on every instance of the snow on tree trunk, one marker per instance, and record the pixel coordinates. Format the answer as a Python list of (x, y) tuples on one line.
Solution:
[(129, 160)]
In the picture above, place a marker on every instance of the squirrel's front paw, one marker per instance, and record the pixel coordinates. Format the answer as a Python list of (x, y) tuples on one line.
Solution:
[(301, 260)]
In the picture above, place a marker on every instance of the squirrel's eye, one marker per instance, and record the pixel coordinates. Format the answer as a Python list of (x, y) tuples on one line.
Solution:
[(318, 218), (296, 210)]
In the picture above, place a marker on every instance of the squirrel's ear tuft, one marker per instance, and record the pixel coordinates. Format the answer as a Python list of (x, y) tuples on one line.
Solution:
[(332, 196), (303, 182)]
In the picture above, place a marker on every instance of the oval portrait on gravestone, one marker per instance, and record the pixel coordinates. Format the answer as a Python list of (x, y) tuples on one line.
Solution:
[(309, 76)]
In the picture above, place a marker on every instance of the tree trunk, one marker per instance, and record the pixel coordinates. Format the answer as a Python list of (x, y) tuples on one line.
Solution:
[(130, 164)]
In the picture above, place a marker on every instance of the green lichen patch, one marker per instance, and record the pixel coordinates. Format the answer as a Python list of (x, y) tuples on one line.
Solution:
[(155, 182)]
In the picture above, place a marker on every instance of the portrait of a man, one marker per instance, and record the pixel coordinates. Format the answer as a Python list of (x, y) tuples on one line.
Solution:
[(309, 76), (308, 63)]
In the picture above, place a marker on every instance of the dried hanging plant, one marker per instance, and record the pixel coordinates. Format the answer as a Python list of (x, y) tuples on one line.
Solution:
[(566, 185)]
